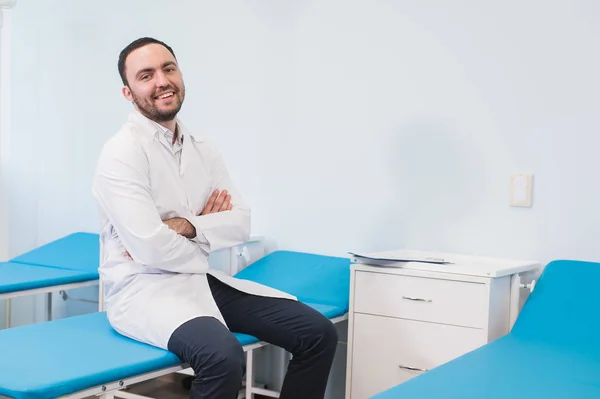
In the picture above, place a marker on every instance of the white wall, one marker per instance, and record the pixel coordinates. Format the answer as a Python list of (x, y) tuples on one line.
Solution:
[(5, 82), (406, 119), (348, 125), (5, 41)]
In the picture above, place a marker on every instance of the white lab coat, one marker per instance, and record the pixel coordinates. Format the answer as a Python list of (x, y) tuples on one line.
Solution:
[(154, 279)]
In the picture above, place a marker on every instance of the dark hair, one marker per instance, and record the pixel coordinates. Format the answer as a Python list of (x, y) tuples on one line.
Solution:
[(136, 44)]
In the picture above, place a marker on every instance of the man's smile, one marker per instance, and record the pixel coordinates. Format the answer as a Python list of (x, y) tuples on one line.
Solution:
[(164, 96)]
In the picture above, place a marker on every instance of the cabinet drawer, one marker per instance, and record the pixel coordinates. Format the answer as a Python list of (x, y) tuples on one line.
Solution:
[(418, 298), (386, 350)]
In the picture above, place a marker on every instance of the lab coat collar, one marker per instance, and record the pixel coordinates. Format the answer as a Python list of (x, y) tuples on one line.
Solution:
[(150, 128)]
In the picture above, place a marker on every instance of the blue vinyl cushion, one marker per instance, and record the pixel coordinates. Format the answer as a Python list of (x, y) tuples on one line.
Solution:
[(553, 350), (50, 359), (328, 311), (77, 251), (312, 278), (21, 277)]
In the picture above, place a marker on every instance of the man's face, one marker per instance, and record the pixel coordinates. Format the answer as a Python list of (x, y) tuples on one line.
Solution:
[(155, 84)]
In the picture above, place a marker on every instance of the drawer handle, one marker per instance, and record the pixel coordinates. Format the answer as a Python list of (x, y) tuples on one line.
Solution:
[(416, 299), (412, 368)]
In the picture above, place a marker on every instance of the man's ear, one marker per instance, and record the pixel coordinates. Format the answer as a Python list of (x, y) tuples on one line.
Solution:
[(127, 93)]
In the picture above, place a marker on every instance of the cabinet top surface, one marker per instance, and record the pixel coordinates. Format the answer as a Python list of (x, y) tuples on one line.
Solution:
[(472, 265)]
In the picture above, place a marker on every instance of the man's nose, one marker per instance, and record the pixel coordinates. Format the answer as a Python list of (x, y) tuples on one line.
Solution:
[(161, 79)]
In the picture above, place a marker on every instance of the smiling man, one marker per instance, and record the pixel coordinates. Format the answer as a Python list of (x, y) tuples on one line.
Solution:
[(166, 201)]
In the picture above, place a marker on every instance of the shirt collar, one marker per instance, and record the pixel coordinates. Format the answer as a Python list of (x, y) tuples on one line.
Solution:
[(150, 127), (168, 134)]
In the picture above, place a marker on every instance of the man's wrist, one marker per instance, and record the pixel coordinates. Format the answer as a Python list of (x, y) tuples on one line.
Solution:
[(186, 228), (191, 228), (182, 226)]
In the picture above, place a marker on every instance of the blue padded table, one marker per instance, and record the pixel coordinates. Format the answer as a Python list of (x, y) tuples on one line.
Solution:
[(311, 278), (553, 350), (77, 251), (66, 263), (81, 354), (51, 359), (17, 277)]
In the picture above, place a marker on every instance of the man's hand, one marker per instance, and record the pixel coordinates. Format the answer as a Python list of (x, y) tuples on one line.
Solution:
[(218, 203), (181, 226)]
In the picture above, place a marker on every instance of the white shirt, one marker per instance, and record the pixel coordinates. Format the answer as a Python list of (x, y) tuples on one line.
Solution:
[(166, 138)]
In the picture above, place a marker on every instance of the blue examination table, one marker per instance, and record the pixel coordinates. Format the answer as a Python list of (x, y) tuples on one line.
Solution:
[(68, 260), (83, 356), (553, 350), (64, 264)]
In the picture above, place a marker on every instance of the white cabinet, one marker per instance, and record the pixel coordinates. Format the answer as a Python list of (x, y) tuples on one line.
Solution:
[(408, 319)]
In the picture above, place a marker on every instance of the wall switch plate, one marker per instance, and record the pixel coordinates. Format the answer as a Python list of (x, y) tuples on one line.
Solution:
[(521, 187)]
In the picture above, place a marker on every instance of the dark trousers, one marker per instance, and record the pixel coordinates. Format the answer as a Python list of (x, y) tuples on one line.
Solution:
[(217, 357)]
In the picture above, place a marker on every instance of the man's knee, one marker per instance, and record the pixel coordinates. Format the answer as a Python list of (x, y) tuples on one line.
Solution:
[(209, 348), (323, 335), (227, 358), (330, 334)]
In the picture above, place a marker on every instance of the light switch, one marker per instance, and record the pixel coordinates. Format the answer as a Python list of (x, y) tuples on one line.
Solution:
[(520, 189)]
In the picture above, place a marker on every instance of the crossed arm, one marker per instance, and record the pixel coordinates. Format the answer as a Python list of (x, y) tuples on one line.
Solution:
[(218, 202)]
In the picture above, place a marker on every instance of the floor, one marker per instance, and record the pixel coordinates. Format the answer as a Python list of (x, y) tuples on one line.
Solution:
[(166, 387), (170, 386)]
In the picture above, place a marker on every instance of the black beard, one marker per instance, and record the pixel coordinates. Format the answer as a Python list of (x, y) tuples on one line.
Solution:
[(155, 114)]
